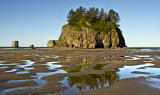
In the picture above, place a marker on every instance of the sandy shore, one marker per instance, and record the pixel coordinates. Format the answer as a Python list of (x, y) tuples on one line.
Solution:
[(132, 86), (79, 66)]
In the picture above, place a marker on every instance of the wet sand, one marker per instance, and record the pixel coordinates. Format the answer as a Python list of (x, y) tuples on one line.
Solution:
[(45, 71), (132, 86)]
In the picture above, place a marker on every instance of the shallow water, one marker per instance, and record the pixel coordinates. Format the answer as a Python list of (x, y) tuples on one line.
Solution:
[(13, 70), (80, 83), (94, 81), (25, 66), (154, 82), (86, 82), (51, 65), (2, 61), (4, 67), (126, 71), (89, 82), (37, 78)]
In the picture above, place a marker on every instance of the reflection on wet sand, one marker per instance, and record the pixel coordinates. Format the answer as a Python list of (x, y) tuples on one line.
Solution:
[(94, 81), (89, 82)]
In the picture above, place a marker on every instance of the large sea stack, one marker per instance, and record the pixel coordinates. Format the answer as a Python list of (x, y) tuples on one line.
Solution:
[(89, 38), (15, 44), (91, 29)]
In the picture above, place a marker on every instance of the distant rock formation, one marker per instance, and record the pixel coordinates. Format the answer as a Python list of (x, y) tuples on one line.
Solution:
[(15, 44), (31, 46), (89, 38), (51, 43)]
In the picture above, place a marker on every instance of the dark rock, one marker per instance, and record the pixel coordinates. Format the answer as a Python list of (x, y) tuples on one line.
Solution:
[(51, 43), (15, 44), (31, 45)]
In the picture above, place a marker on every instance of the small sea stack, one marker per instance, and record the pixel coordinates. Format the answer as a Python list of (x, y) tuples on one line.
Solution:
[(31, 46), (15, 44), (51, 43)]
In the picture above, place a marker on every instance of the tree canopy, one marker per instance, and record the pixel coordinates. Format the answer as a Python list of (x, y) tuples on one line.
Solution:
[(97, 19)]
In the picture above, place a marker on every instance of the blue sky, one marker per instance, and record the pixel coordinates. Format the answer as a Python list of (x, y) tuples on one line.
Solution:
[(37, 21)]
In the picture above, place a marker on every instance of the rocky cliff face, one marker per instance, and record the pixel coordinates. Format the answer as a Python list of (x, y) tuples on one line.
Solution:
[(88, 38)]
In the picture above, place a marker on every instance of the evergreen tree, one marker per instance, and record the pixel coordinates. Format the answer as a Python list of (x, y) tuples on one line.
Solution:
[(102, 15), (87, 16), (113, 16), (80, 13), (106, 17), (92, 15), (98, 20), (71, 17), (97, 14)]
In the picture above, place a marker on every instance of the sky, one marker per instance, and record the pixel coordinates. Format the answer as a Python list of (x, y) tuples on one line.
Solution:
[(38, 21)]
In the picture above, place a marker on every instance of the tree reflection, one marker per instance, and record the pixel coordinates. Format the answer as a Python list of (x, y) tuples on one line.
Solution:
[(94, 81)]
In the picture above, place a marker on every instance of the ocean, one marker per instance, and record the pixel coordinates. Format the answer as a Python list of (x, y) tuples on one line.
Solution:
[(143, 48), (23, 47), (150, 48)]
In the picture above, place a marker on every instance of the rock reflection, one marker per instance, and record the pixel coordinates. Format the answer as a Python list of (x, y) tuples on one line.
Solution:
[(77, 69), (98, 66), (86, 61), (108, 58), (93, 81), (68, 58)]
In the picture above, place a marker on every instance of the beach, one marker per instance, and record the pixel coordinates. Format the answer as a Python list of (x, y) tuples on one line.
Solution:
[(65, 71)]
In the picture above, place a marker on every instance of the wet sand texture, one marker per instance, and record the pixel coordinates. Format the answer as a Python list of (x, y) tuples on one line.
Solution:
[(82, 71)]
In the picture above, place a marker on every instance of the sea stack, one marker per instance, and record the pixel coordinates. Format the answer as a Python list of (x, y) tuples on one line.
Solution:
[(91, 29), (89, 38), (15, 44), (51, 43), (31, 46)]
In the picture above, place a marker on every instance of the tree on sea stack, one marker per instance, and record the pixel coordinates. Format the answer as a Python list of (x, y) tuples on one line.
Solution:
[(15, 44), (91, 29)]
